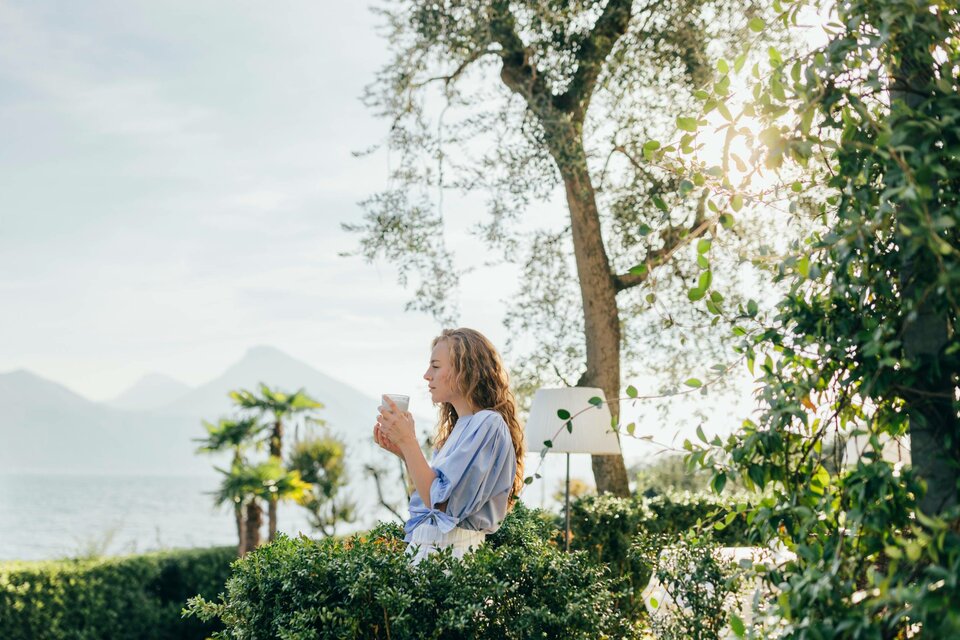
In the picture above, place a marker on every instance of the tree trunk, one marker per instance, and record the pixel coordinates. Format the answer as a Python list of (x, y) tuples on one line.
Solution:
[(272, 518), (933, 421), (254, 522), (934, 427), (276, 450), (241, 529), (600, 312)]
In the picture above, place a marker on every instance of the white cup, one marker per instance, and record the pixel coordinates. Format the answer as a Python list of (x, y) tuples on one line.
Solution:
[(402, 402)]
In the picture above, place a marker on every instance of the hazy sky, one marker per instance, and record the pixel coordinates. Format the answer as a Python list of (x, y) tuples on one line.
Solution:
[(173, 176)]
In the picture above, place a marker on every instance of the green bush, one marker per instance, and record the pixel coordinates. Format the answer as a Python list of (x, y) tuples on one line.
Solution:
[(517, 586), (606, 527), (138, 597)]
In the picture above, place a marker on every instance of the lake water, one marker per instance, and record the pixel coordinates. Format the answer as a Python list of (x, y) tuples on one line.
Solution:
[(44, 516), (48, 516)]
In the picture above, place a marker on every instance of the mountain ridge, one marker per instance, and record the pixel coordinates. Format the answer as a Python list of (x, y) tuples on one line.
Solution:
[(151, 391), (48, 428)]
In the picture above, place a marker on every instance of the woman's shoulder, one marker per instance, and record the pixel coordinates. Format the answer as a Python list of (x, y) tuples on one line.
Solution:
[(490, 419)]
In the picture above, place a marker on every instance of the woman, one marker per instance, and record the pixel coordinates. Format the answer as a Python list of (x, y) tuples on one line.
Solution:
[(477, 466)]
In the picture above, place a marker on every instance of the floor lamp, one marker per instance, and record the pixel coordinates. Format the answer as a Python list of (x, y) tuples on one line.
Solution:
[(572, 420)]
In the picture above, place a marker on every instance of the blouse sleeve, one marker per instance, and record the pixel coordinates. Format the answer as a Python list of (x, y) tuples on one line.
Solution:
[(481, 466)]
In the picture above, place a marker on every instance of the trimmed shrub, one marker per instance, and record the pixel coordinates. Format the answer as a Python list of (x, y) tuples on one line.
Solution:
[(516, 587), (135, 598)]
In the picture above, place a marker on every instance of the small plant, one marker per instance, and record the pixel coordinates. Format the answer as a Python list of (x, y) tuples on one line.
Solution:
[(692, 591)]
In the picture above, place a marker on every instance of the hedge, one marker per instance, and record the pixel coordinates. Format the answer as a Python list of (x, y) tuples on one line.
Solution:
[(135, 598), (517, 586)]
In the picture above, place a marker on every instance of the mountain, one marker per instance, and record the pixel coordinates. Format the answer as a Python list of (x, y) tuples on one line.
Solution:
[(345, 408), (152, 391), (47, 428)]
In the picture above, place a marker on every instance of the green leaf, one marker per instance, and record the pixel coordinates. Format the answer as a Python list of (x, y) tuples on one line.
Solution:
[(632, 392), (756, 25), (685, 187), (649, 147), (660, 204), (724, 111), (719, 482), (737, 626), (701, 435), (739, 62), (703, 245), (686, 124), (563, 414), (639, 269), (706, 278), (596, 401), (528, 480), (696, 294), (548, 443), (569, 427), (693, 382), (736, 202), (775, 58), (631, 428), (702, 262)]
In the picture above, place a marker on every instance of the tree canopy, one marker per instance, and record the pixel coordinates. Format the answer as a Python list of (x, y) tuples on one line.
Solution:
[(863, 348), (520, 100)]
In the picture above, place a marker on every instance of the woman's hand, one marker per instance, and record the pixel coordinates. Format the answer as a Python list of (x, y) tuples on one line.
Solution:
[(396, 427), (384, 442)]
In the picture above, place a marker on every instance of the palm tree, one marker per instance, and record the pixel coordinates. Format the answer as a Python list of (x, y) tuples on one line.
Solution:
[(245, 485), (235, 435), (280, 406)]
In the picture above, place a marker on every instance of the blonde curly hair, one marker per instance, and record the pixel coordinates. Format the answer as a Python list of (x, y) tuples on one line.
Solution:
[(483, 380)]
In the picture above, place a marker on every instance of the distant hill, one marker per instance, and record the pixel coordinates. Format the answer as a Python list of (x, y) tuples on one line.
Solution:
[(152, 391), (48, 428), (345, 408), (151, 428)]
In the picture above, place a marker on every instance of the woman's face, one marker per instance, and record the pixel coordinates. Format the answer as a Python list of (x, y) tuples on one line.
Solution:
[(441, 376)]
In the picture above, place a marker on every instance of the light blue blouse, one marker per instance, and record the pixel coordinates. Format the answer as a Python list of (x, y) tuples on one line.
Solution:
[(475, 471)]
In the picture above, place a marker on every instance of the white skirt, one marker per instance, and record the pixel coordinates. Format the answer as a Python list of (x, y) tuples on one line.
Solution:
[(427, 539)]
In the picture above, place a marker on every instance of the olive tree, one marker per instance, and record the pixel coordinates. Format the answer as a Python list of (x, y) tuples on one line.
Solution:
[(517, 100)]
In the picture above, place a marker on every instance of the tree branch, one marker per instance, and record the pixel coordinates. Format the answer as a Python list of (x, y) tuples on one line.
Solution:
[(447, 79), (375, 473), (519, 71), (594, 49), (673, 240)]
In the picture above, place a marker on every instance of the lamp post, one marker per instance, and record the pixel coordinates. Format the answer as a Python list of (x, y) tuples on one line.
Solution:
[(589, 432)]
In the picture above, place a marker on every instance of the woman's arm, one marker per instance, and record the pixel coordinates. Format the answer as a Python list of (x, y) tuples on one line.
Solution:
[(398, 428), (420, 470)]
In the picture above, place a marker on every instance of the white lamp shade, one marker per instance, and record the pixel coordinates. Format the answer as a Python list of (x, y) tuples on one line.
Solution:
[(592, 432)]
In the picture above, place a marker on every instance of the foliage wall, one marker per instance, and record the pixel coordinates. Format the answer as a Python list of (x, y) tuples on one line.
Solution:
[(135, 598), (516, 586)]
